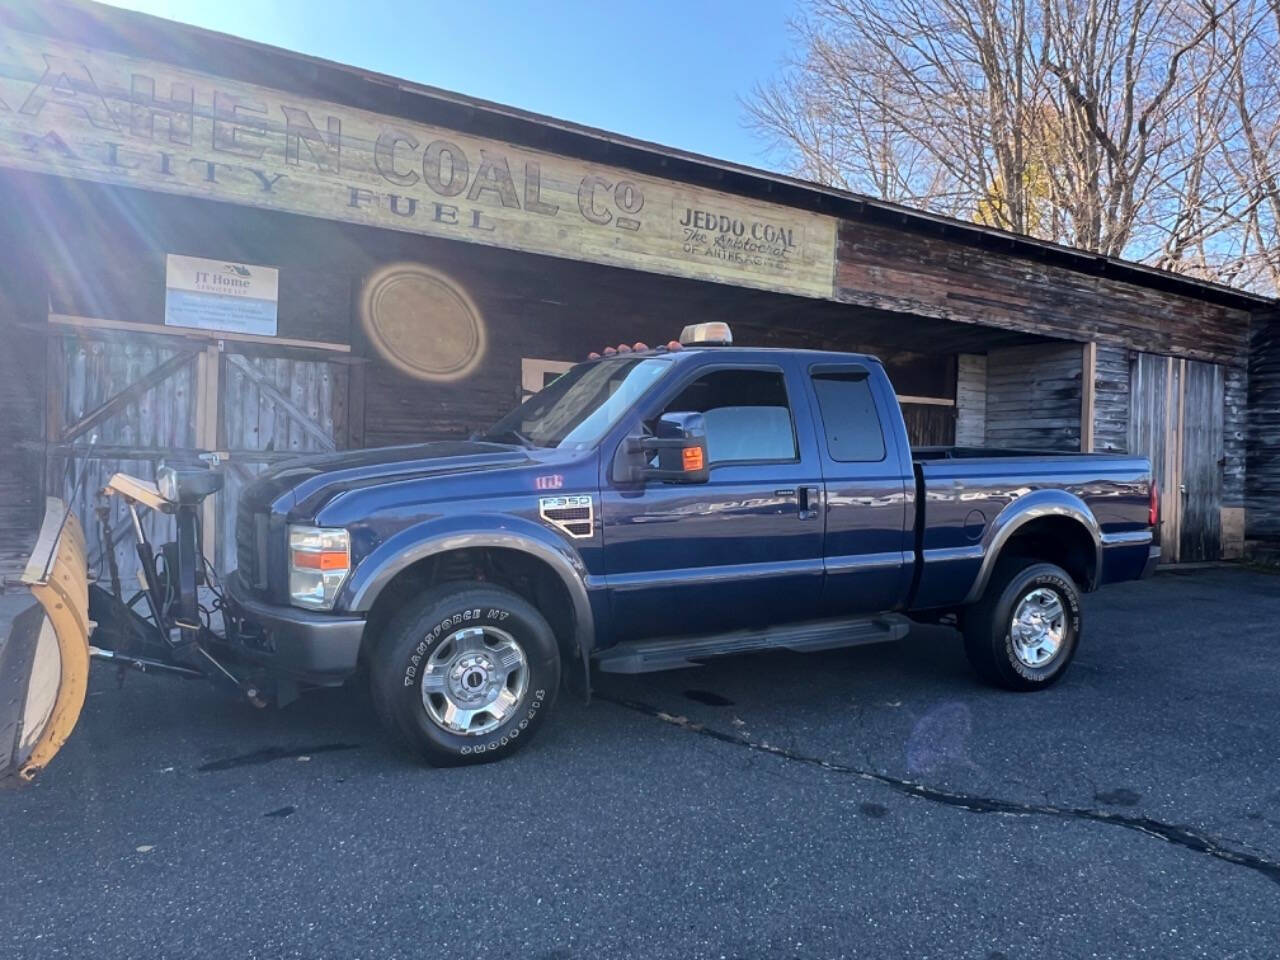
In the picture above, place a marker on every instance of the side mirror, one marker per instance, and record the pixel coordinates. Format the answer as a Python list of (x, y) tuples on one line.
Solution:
[(681, 447)]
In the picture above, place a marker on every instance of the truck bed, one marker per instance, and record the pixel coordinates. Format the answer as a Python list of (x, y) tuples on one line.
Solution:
[(964, 493)]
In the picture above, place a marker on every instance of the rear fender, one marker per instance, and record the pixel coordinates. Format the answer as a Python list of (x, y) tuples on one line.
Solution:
[(1020, 512), (44, 664)]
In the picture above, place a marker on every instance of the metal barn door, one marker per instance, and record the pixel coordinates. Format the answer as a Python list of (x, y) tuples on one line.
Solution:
[(274, 407), (1176, 419)]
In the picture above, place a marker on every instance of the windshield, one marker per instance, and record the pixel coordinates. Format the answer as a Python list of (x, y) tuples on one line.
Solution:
[(577, 408)]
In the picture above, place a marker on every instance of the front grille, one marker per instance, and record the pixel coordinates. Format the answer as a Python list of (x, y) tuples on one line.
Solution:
[(251, 547)]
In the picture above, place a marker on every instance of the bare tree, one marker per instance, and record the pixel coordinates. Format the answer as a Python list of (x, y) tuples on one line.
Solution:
[(1141, 128), (1249, 144)]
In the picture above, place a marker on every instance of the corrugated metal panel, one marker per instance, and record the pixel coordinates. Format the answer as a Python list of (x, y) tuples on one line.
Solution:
[(1033, 396), (971, 399)]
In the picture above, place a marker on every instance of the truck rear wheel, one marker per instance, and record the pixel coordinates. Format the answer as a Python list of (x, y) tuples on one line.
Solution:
[(1024, 631), (466, 673)]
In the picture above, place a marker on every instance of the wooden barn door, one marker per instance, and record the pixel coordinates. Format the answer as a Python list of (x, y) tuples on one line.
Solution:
[(276, 405), (1176, 419), (121, 399), (117, 403), (1203, 458)]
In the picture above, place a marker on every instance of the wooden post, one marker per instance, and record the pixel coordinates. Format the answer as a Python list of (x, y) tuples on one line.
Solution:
[(207, 376)]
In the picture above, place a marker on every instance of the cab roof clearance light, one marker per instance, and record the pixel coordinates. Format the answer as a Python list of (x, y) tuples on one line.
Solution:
[(706, 334)]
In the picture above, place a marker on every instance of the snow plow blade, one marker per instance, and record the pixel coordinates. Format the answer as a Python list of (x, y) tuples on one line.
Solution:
[(44, 662)]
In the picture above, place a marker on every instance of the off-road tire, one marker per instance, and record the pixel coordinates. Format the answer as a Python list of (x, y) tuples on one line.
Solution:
[(402, 652), (988, 625)]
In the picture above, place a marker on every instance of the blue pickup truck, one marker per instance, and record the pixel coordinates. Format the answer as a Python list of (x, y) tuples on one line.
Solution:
[(653, 508)]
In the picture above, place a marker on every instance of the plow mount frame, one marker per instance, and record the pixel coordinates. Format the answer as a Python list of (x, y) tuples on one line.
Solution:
[(175, 637)]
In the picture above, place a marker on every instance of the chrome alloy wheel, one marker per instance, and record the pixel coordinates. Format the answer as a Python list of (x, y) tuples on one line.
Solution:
[(1038, 628), (474, 680)]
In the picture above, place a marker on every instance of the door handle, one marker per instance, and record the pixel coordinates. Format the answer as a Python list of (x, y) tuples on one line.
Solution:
[(810, 502)]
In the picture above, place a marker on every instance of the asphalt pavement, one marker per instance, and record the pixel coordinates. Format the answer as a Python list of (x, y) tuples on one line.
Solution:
[(872, 802)]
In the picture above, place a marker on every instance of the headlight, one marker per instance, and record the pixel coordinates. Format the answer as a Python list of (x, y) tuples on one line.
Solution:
[(167, 483), (319, 560)]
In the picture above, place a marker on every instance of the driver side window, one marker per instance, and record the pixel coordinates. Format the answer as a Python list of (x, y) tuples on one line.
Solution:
[(747, 415)]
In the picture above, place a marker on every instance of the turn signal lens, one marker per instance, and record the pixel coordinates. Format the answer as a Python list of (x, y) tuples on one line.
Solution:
[(324, 560), (319, 560), (692, 458)]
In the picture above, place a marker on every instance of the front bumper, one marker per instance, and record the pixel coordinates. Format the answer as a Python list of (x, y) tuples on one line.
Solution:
[(315, 647)]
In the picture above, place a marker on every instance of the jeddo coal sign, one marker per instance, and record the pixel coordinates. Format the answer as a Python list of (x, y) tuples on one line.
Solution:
[(101, 116)]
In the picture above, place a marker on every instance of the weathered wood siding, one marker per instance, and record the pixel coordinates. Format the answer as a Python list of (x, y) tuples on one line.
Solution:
[(1033, 396), (1235, 436), (937, 277), (1111, 400), (971, 400), (929, 424), (1262, 498), (22, 396)]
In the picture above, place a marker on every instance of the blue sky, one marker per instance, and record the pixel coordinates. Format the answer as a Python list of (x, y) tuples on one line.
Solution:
[(661, 70)]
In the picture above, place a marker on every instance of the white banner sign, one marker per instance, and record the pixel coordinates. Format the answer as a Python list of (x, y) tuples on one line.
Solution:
[(220, 295)]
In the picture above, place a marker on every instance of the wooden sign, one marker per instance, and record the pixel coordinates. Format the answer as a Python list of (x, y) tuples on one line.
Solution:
[(102, 116)]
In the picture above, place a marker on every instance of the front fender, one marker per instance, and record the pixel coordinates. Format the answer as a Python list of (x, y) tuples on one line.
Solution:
[(1019, 512), (423, 540)]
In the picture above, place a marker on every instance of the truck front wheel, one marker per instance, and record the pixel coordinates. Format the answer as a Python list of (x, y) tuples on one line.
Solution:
[(466, 673), (1024, 631)]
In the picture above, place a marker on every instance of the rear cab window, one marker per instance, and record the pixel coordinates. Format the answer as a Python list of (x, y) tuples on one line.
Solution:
[(851, 425)]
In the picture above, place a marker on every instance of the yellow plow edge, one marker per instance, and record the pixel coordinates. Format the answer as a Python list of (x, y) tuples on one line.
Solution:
[(44, 664)]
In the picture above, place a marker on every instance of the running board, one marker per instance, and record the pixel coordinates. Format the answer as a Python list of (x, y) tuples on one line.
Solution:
[(669, 653)]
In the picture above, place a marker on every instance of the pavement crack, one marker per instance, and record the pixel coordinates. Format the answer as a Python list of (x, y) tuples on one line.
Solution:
[(1177, 834)]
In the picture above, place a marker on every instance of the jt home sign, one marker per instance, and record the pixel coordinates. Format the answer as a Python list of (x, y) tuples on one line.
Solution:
[(106, 117)]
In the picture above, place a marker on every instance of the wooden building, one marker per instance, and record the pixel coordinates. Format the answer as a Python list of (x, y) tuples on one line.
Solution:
[(431, 259)]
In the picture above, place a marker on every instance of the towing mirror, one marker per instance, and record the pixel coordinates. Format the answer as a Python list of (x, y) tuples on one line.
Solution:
[(680, 444)]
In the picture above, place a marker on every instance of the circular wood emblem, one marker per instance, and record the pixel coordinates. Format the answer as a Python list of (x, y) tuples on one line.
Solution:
[(422, 322)]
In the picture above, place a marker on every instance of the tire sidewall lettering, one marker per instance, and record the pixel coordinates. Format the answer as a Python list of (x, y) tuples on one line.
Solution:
[(505, 734), (472, 616)]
